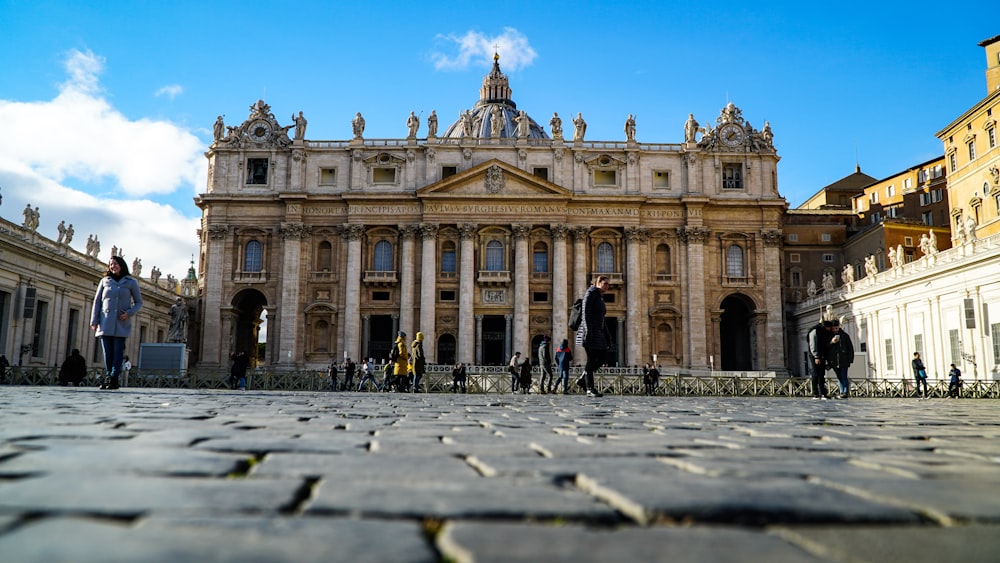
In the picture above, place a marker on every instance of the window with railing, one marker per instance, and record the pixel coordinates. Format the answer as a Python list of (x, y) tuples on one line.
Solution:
[(540, 258), (253, 256), (494, 256), (605, 258), (383, 256)]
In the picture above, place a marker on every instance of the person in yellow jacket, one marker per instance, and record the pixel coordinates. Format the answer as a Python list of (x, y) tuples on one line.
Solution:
[(419, 360), (401, 356)]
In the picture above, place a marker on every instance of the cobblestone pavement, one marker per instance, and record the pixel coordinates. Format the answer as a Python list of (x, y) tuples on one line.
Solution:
[(182, 475)]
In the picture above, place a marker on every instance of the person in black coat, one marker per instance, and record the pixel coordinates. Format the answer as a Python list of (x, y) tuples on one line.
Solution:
[(525, 376), (73, 369), (592, 334)]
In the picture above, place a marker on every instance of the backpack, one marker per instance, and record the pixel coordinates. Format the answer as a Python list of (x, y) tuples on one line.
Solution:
[(576, 315)]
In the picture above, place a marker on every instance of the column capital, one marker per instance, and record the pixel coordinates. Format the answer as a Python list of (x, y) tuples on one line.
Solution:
[(581, 233), (559, 232), (771, 237), (216, 232), (408, 232), (521, 231), (291, 231), (636, 234), (693, 235), (352, 231), (466, 230), (429, 230)]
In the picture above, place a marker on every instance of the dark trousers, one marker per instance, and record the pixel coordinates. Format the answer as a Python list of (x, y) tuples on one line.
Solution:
[(819, 379), (920, 380), (595, 359)]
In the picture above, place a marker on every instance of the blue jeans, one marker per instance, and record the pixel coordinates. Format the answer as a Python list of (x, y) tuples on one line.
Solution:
[(114, 354), (843, 381), (564, 378)]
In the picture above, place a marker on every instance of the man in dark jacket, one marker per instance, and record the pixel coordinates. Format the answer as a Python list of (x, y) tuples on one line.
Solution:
[(840, 357), (592, 334), (819, 345), (73, 370)]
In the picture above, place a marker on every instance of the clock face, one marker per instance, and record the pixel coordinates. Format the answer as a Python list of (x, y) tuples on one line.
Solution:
[(731, 134), (259, 130)]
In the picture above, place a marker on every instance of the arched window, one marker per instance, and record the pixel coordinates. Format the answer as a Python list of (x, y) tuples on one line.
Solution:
[(540, 258), (663, 259), (383, 256), (494, 256), (605, 258), (448, 257), (734, 261), (253, 257), (324, 256)]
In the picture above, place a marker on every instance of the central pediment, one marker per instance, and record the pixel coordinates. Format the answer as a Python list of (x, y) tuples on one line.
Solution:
[(494, 179)]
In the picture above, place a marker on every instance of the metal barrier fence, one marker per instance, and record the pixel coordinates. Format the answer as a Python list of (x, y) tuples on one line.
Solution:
[(496, 379)]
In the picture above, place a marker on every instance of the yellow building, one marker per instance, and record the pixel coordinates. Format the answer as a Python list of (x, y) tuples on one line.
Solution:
[(972, 156)]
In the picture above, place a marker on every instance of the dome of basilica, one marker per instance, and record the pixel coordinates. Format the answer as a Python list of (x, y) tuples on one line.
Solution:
[(495, 115)]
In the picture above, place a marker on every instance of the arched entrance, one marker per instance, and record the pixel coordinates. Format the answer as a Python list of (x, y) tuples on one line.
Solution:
[(736, 334), (249, 305)]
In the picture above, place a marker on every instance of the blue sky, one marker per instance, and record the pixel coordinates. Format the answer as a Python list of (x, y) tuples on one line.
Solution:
[(107, 107)]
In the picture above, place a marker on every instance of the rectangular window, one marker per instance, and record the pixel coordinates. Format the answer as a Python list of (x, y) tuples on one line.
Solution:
[(795, 258), (891, 190), (970, 313), (380, 296), (956, 347), (38, 338), (384, 175), (890, 363), (661, 179), (447, 171), (918, 343), (952, 162), (972, 150), (825, 237), (863, 335), (991, 136), (907, 241), (796, 279), (732, 177), (927, 217), (540, 297), (541, 172), (873, 197), (257, 170), (448, 262), (447, 295), (937, 195), (327, 176), (876, 217), (793, 238), (828, 258), (907, 183), (995, 333), (605, 178)]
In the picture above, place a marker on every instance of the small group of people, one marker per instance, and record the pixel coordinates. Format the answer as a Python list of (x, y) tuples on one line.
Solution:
[(830, 347), (920, 378), (520, 369)]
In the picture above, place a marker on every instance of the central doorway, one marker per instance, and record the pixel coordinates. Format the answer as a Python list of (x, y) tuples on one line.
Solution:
[(494, 340)]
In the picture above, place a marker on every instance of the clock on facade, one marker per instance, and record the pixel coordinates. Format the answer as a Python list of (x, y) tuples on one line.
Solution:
[(731, 134), (259, 130)]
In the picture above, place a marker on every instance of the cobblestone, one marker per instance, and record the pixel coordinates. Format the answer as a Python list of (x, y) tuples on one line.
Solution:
[(172, 474)]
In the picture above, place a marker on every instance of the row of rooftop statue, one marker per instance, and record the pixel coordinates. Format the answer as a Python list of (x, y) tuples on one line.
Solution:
[(471, 122), (93, 249), (897, 258)]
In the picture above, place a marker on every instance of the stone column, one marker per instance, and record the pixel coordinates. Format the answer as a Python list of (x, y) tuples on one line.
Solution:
[(476, 339), (468, 346), (212, 333), (352, 288), (581, 277), (619, 338), (635, 237), (289, 319), (406, 281), (560, 276), (695, 323), (522, 281), (428, 289), (366, 333), (774, 327), (507, 337)]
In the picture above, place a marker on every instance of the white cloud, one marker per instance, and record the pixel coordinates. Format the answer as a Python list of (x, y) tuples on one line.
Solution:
[(513, 47), (171, 91), (55, 152)]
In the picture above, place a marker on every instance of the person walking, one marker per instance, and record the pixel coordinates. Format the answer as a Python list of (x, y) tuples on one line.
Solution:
[(819, 344), (117, 300), (515, 374), (419, 361), (545, 361), (400, 356), (238, 373), (524, 381), (593, 334), (331, 372), (349, 368), (954, 382), (458, 377), (368, 375), (564, 359), (73, 369), (919, 375), (840, 357)]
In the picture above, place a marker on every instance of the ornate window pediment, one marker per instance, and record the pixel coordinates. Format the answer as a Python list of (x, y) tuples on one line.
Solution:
[(604, 161)]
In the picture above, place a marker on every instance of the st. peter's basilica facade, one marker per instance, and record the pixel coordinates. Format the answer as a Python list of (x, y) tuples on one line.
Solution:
[(482, 236)]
